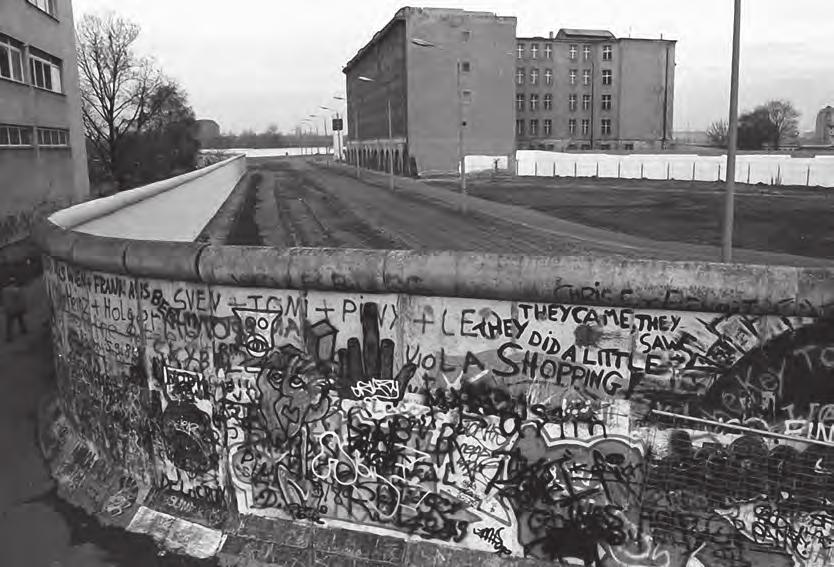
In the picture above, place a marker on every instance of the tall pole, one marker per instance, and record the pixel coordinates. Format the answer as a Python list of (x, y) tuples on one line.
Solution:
[(358, 152), (390, 148), (461, 155), (593, 101), (732, 140)]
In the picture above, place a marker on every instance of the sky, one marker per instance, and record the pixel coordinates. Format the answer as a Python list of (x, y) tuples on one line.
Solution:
[(251, 63)]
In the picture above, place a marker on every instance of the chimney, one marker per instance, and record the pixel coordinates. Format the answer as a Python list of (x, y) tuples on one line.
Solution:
[(551, 35)]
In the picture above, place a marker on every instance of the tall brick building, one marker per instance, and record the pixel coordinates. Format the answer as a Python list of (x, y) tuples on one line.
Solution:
[(587, 89), (438, 68)]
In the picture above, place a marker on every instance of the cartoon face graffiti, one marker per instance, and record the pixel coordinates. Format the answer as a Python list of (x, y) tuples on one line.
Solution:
[(294, 390), (258, 326)]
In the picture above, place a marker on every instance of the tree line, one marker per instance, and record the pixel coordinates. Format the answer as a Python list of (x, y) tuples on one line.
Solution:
[(270, 138), (769, 125)]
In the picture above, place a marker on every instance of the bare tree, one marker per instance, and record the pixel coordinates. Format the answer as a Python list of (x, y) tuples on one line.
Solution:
[(785, 120), (718, 133), (116, 85)]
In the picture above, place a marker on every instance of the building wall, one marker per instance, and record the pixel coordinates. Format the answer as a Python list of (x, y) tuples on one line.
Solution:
[(824, 131), (644, 75), (636, 109), (207, 130), (433, 107), (38, 179)]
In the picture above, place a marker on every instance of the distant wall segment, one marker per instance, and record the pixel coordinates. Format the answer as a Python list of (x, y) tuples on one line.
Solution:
[(573, 409)]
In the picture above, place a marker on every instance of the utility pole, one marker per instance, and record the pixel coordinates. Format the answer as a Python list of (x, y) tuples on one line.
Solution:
[(732, 142), (390, 146), (461, 152)]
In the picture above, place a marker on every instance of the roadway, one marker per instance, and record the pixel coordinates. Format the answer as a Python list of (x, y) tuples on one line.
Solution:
[(305, 202)]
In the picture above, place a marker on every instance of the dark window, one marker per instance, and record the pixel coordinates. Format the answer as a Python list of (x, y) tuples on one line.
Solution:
[(464, 66)]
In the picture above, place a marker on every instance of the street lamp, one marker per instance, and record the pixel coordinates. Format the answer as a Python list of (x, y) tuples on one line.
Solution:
[(461, 124), (339, 133), (732, 141), (390, 132)]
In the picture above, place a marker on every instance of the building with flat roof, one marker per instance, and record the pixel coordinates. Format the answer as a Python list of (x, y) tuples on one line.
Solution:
[(431, 70), (587, 89), (824, 130), (43, 159)]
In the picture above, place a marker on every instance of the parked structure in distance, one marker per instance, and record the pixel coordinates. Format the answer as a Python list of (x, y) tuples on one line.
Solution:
[(443, 72), (206, 130), (43, 159), (587, 89)]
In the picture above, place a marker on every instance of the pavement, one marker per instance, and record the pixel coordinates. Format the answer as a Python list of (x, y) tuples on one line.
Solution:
[(424, 216)]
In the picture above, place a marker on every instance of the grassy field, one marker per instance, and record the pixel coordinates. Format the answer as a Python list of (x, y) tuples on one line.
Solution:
[(790, 220)]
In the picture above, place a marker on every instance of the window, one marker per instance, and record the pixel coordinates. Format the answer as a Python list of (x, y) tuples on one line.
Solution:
[(572, 102), (45, 74), (548, 77), (534, 76), (572, 126), (534, 127), (466, 96), (520, 50), (519, 76), (607, 77), (586, 52), (15, 136), (464, 66), (606, 126), (548, 101), (53, 137), (47, 6), (548, 51), (586, 102), (572, 52), (519, 102), (607, 53), (572, 76), (628, 147), (534, 102), (519, 127), (586, 124), (465, 35), (586, 76), (606, 102), (534, 50), (548, 127), (11, 59)]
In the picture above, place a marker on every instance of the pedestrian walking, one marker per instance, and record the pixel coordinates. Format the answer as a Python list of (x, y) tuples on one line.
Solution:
[(14, 304)]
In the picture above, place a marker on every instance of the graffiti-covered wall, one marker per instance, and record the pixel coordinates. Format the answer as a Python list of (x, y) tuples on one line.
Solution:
[(573, 433)]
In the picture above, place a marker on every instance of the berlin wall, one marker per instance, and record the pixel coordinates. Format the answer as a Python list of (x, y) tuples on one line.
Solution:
[(574, 411)]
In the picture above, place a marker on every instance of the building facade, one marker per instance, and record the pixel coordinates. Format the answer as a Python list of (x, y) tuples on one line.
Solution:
[(587, 89), (43, 160), (206, 131), (824, 130), (442, 78)]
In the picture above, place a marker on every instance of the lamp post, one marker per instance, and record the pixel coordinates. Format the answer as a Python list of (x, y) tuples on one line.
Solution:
[(339, 137), (732, 141), (461, 124), (390, 132)]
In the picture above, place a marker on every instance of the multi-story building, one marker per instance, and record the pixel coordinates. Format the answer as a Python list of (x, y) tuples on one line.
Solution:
[(43, 161), (824, 127), (444, 78), (587, 89)]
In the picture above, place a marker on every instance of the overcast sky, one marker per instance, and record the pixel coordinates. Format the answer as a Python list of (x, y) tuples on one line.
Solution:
[(249, 63)]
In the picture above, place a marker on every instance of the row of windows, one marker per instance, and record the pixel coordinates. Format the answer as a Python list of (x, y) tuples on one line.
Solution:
[(607, 76), (605, 127), (12, 136), (606, 102), (573, 51), (44, 70), (47, 6)]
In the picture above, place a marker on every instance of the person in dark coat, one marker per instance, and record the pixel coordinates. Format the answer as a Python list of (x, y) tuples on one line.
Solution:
[(14, 304)]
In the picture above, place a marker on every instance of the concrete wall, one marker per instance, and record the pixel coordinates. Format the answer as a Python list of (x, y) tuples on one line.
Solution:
[(571, 410), (824, 126), (36, 180), (433, 109)]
